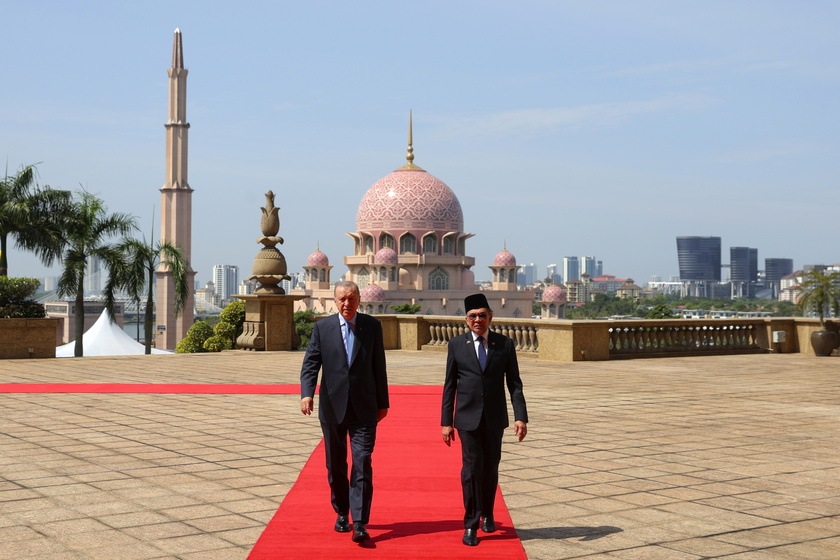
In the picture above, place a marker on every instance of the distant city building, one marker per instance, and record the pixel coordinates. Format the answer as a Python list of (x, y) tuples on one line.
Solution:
[(93, 276), (700, 265), (247, 287), (206, 298), (571, 269), (554, 274), (528, 275), (49, 283), (743, 271), (590, 266), (226, 280), (774, 270)]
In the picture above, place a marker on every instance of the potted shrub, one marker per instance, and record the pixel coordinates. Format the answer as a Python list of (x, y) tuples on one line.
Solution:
[(820, 293)]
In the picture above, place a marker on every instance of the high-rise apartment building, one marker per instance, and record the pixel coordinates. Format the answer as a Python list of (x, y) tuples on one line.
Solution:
[(774, 270), (743, 271), (571, 269), (226, 281), (93, 276), (590, 266), (699, 258), (552, 272)]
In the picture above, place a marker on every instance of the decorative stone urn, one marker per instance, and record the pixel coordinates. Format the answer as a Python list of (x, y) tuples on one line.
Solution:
[(269, 268), (269, 312)]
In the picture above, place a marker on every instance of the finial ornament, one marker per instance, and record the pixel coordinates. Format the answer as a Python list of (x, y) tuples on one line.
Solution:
[(410, 155)]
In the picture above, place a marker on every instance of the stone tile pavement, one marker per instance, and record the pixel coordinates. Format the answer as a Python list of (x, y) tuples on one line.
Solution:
[(733, 457)]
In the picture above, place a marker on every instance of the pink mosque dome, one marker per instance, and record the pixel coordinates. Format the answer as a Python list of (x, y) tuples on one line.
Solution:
[(317, 259), (372, 292), (410, 199), (554, 293), (505, 258), (386, 255)]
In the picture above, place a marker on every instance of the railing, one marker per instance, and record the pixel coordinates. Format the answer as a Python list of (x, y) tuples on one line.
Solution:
[(522, 332), (694, 337), (574, 340)]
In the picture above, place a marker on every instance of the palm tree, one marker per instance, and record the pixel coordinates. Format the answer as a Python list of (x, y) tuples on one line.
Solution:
[(86, 228), (30, 214), (135, 272), (820, 292)]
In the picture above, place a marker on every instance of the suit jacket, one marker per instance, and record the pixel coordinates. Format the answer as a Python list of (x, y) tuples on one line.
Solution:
[(469, 393), (364, 381)]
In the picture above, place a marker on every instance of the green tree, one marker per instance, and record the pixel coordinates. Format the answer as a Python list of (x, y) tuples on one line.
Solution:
[(133, 271), (85, 232), (660, 311), (16, 298), (304, 324), (406, 308), (193, 342), (819, 292), (29, 214)]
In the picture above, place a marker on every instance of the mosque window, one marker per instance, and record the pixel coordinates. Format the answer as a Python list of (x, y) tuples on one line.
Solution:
[(447, 246), (462, 246), (503, 275), (363, 278), (380, 309), (323, 275), (438, 279), (430, 244), (313, 275), (382, 274), (392, 274), (386, 240), (368, 244), (408, 244)]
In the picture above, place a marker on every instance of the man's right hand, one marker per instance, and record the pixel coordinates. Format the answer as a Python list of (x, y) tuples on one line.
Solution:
[(306, 405), (448, 433)]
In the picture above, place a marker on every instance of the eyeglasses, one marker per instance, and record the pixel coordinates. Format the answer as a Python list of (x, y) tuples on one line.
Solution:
[(474, 316)]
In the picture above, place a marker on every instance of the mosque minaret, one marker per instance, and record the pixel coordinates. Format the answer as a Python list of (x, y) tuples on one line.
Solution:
[(175, 208)]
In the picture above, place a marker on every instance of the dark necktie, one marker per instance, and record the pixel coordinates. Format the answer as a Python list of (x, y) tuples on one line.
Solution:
[(482, 353)]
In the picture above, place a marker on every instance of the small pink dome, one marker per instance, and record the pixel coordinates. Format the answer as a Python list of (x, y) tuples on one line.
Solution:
[(385, 255), (505, 258), (372, 292), (317, 259), (554, 293)]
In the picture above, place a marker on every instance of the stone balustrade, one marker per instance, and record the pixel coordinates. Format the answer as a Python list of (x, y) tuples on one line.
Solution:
[(572, 341)]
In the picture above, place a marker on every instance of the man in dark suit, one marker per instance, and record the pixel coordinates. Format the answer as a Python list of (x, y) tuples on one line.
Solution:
[(349, 348), (479, 364)]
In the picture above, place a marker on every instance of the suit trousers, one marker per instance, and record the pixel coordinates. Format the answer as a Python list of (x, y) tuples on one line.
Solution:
[(351, 495), (481, 452)]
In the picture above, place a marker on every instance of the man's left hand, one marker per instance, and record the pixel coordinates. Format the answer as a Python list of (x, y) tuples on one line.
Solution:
[(520, 428)]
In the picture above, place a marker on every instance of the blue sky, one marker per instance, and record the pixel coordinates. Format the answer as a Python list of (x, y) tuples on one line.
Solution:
[(564, 128)]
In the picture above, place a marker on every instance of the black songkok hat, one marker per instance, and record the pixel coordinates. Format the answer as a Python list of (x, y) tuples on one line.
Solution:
[(475, 301)]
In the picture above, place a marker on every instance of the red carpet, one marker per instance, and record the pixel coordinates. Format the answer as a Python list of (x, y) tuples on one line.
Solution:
[(196, 388), (417, 510)]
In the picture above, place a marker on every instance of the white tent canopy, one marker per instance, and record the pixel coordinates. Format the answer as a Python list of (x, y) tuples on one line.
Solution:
[(105, 338)]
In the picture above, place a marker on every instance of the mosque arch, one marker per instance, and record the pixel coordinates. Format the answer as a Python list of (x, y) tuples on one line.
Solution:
[(363, 278), (438, 279), (386, 240), (430, 244), (408, 244)]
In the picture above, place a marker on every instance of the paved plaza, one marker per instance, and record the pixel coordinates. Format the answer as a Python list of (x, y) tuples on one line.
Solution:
[(733, 457)]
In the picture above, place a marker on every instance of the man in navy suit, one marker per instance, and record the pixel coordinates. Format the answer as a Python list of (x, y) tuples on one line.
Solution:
[(349, 348), (479, 364)]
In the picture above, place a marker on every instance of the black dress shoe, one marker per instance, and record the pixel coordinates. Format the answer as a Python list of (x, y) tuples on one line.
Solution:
[(470, 538), (488, 525), (360, 534), (341, 524)]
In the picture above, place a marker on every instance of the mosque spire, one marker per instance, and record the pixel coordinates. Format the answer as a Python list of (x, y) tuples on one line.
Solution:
[(177, 50), (410, 155)]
